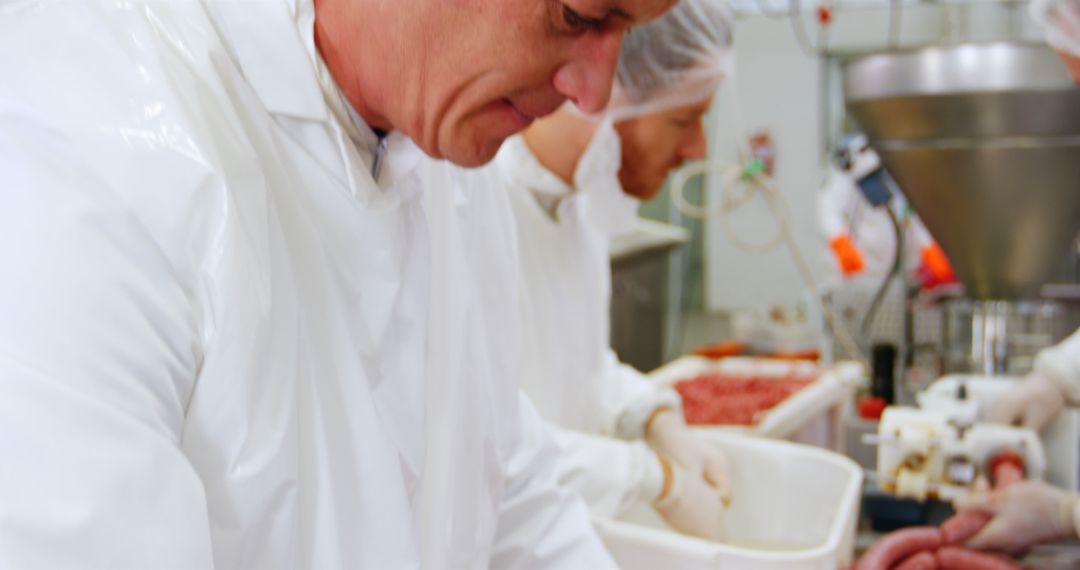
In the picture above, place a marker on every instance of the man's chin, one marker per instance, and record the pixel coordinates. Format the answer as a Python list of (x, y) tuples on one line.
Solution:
[(641, 190), (648, 193), (473, 154)]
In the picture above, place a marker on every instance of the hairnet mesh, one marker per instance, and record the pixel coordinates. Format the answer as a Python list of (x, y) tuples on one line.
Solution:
[(676, 60), (1062, 21)]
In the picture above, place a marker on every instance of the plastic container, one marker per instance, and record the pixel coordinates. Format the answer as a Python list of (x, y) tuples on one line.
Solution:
[(776, 333), (793, 507), (813, 415)]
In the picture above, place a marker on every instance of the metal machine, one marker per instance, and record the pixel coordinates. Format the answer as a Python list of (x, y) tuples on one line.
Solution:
[(984, 141)]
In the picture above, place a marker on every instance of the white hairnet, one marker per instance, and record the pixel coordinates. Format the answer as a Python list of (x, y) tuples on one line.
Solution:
[(676, 60), (1062, 21)]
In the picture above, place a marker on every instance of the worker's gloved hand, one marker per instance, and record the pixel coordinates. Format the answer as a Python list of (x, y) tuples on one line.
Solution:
[(697, 488), (1032, 403), (669, 435), (1025, 514), (690, 504)]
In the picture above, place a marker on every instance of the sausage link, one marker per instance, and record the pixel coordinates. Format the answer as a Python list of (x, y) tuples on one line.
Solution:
[(898, 545), (962, 526), (957, 558), (924, 560)]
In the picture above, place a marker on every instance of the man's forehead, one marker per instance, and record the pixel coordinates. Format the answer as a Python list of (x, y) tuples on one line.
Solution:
[(694, 109)]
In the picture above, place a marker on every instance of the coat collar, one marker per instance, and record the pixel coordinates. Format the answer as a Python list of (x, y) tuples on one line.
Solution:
[(519, 166), (273, 43)]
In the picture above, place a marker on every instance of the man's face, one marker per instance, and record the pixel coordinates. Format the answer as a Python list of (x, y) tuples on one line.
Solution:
[(493, 66), (654, 145)]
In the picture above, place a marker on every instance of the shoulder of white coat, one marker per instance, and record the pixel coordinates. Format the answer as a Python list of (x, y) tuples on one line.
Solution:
[(124, 89), (1061, 365)]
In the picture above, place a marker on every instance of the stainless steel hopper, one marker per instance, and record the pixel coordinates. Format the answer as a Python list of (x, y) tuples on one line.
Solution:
[(984, 140)]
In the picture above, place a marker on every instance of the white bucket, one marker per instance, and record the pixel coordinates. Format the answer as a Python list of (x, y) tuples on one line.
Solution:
[(794, 507)]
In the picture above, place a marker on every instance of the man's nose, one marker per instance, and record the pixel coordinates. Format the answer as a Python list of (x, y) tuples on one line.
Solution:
[(586, 78)]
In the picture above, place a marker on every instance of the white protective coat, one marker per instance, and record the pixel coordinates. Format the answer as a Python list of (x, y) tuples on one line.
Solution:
[(844, 209), (571, 374), (215, 322), (1061, 365), (1061, 20)]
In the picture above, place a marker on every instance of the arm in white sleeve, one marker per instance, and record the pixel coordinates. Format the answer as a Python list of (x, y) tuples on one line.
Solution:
[(629, 399), (97, 358), (541, 524), (610, 474), (1061, 364)]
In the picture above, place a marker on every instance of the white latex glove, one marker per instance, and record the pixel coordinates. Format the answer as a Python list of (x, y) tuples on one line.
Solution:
[(669, 435), (1025, 514), (697, 484), (690, 504), (1032, 403)]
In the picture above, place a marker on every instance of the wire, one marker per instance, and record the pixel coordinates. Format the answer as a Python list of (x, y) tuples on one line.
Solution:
[(799, 27), (680, 285), (823, 40), (688, 288), (768, 13), (898, 253), (894, 24), (752, 184), (731, 200), (778, 205)]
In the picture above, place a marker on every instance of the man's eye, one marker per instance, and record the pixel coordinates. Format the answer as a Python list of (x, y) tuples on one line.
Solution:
[(579, 23)]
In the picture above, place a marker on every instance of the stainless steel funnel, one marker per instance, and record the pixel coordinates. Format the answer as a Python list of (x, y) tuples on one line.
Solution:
[(984, 140)]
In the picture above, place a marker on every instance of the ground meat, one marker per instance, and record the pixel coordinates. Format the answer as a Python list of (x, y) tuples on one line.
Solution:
[(726, 399)]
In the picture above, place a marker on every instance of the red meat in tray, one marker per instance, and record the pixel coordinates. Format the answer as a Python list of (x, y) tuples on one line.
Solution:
[(717, 398)]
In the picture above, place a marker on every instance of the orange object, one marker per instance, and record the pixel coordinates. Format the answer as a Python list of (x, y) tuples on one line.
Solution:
[(1073, 63), (824, 14), (721, 349), (1006, 468), (937, 267), (871, 407), (812, 355), (849, 256), (763, 149)]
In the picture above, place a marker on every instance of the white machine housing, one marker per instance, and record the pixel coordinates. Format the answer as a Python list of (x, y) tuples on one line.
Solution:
[(926, 454), (1060, 438)]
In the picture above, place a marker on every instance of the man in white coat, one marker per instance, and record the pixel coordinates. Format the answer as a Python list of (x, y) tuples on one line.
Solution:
[(1035, 512), (575, 180), (215, 299)]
